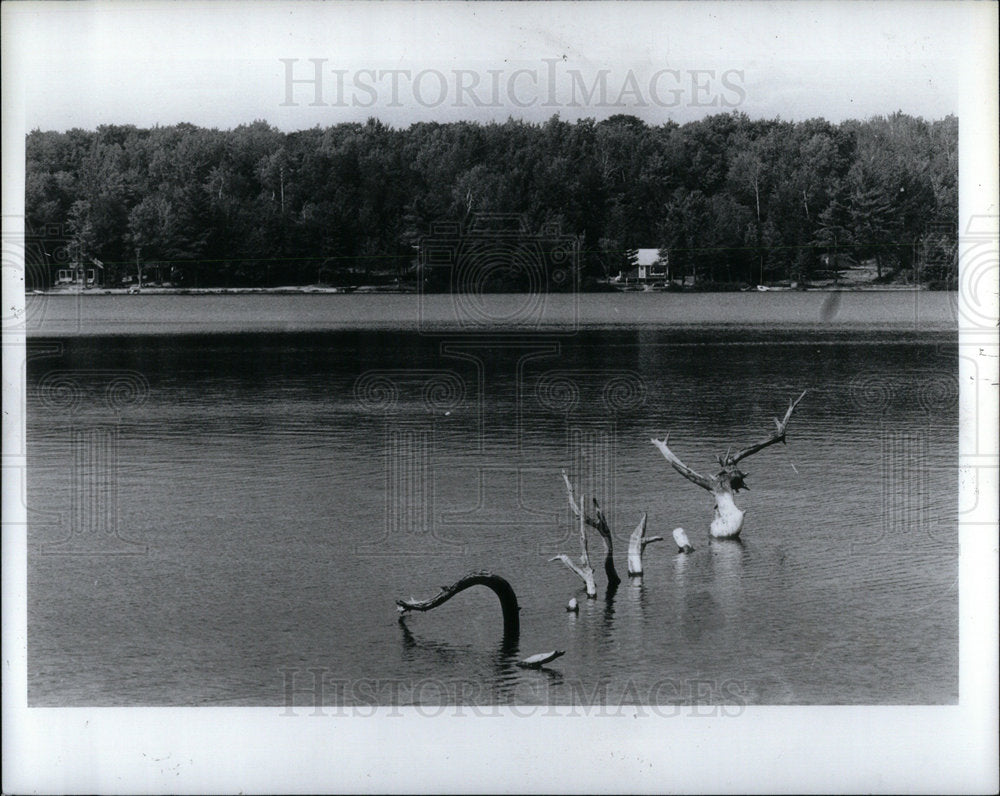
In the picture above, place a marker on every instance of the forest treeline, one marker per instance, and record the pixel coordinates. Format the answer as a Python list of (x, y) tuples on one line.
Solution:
[(731, 199)]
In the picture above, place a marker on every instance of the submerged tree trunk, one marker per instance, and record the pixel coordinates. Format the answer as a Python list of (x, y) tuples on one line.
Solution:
[(683, 543), (637, 546)]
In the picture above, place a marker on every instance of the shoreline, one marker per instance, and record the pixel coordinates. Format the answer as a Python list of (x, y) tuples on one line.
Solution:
[(365, 290), (494, 314)]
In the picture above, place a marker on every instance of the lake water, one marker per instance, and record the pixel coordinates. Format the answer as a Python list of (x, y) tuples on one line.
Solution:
[(557, 313), (220, 513)]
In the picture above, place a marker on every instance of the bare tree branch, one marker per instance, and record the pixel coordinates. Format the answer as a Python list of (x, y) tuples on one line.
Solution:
[(584, 549), (777, 436), (585, 571), (596, 521), (569, 492), (593, 520), (679, 466), (727, 519), (499, 586), (601, 525)]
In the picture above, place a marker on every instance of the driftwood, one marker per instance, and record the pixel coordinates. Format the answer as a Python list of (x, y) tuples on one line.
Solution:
[(584, 570), (500, 587), (596, 521), (508, 603), (683, 543), (728, 517), (637, 546), (539, 660)]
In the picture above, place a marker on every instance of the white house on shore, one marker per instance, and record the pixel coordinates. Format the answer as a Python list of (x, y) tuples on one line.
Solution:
[(649, 267), (80, 274)]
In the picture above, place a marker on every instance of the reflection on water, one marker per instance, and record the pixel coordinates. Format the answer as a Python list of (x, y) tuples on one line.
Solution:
[(730, 557), (243, 506)]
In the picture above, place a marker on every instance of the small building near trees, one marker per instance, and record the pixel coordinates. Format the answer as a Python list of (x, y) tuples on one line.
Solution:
[(80, 274), (648, 267)]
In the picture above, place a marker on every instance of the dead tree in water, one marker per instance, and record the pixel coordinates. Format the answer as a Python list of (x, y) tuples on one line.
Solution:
[(727, 521), (508, 604), (637, 546), (584, 570), (500, 587), (599, 524)]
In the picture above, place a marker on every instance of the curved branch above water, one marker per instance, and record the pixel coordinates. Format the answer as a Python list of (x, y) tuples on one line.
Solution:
[(500, 587)]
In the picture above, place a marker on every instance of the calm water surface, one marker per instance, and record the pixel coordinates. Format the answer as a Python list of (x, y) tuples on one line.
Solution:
[(211, 510), (559, 313)]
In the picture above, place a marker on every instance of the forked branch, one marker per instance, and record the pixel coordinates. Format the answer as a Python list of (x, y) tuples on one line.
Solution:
[(585, 571), (727, 521), (596, 521), (777, 436), (637, 546)]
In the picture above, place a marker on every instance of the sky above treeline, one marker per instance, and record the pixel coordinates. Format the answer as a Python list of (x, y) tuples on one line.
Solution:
[(298, 65)]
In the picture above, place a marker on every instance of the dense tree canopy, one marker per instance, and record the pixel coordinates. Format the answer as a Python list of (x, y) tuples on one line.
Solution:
[(733, 200)]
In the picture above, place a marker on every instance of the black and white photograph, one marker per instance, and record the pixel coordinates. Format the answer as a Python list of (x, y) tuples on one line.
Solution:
[(500, 397)]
